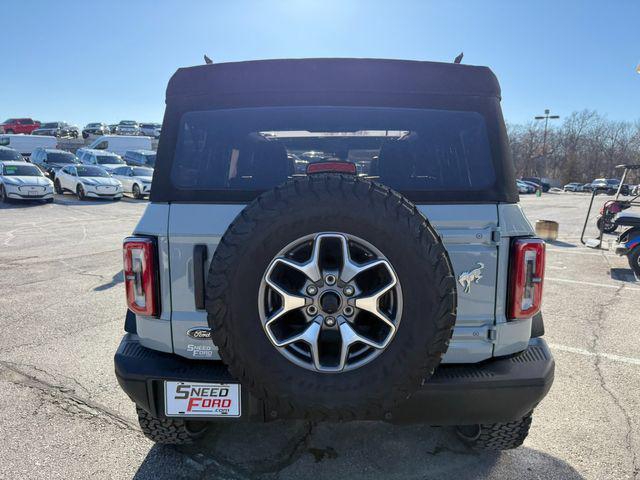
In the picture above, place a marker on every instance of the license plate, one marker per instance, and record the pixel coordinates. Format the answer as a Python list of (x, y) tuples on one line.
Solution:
[(186, 399), (32, 194)]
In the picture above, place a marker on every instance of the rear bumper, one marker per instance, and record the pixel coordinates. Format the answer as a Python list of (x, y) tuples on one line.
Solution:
[(497, 390)]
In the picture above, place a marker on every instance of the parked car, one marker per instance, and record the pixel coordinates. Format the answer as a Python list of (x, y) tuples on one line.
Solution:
[(25, 144), (120, 144), (535, 186), (573, 187), (635, 190), (140, 158), (95, 130), (20, 180), (20, 125), (101, 158), (587, 187), (609, 186), (50, 160), (87, 181), (538, 181), (9, 154), (253, 295), (112, 128), (57, 129), (128, 127), (524, 187), (150, 129), (135, 180)]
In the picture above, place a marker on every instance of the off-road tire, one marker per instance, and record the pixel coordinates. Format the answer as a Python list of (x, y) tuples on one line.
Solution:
[(496, 436), (170, 431), (633, 257), (338, 203), (607, 226)]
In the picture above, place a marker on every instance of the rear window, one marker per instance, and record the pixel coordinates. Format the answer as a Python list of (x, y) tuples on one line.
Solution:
[(410, 150), (143, 172), (88, 171), (61, 157), (109, 159)]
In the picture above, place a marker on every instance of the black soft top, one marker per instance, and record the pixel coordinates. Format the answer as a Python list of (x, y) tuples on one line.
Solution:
[(335, 82), (334, 75)]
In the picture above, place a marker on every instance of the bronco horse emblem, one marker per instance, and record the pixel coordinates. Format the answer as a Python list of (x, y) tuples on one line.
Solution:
[(474, 276)]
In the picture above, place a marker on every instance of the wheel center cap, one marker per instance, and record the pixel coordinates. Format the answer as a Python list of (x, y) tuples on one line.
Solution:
[(330, 302)]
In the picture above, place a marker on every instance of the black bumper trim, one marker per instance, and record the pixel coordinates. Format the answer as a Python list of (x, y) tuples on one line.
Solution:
[(497, 390)]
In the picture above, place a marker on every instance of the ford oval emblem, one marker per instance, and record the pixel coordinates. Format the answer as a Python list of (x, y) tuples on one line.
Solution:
[(199, 332)]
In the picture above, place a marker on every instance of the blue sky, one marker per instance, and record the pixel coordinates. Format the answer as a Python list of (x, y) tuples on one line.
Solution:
[(106, 61)]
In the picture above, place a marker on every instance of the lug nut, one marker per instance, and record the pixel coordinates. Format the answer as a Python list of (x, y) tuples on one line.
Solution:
[(329, 321), (312, 309), (312, 289), (349, 290), (348, 310), (330, 279)]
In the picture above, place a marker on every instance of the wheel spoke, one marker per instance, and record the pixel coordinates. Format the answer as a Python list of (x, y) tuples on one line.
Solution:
[(289, 301), (308, 269), (370, 303), (350, 336), (309, 336)]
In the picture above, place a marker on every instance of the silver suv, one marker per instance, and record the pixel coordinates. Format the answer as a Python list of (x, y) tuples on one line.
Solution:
[(393, 276)]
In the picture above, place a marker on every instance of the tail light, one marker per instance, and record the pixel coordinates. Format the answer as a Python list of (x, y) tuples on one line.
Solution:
[(140, 277), (331, 167), (526, 277)]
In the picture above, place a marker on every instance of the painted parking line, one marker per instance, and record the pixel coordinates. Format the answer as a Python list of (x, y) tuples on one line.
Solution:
[(574, 251), (589, 353), (616, 285)]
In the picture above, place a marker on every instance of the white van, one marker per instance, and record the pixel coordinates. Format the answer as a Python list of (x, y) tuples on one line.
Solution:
[(25, 144), (121, 143)]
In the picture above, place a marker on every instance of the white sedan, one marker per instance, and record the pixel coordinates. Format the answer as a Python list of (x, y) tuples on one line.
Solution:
[(135, 180), (23, 181), (87, 181)]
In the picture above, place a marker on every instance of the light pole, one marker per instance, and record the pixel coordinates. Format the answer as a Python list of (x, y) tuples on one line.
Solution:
[(546, 118)]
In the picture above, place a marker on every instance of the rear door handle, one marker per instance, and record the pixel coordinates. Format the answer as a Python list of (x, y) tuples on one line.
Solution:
[(199, 260)]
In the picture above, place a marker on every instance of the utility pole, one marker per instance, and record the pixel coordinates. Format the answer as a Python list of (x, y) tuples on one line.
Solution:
[(546, 118)]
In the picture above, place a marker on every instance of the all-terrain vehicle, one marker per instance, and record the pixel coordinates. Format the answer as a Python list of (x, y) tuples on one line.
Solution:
[(613, 214), (390, 276)]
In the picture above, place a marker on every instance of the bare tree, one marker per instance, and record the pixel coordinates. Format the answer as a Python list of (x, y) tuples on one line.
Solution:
[(584, 146)]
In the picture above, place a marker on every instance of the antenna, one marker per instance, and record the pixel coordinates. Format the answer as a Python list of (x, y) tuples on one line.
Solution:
[(458, 59), (207, 60)]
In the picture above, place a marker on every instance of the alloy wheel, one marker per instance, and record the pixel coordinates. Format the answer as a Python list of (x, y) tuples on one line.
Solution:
[(330, 302)]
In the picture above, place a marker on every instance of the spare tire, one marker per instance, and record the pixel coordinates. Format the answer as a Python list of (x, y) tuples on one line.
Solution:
[(331, 297)]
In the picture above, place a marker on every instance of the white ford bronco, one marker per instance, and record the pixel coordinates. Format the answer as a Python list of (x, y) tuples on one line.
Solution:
[(334, 239)]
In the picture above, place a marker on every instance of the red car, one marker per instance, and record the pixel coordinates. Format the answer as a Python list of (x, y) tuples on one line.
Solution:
[(20, 125)]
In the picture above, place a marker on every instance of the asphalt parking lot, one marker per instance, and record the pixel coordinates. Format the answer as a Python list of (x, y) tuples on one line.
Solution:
[(62, 414)]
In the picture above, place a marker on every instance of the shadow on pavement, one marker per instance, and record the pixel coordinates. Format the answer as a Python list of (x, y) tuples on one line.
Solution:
[(115, 280), (73, 200), (560, 243), (299, 450), (15, 204), (623, 275)]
